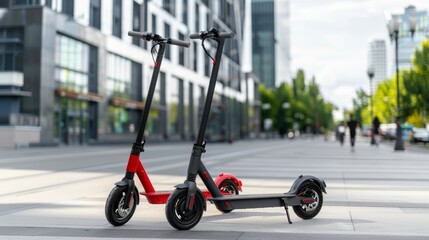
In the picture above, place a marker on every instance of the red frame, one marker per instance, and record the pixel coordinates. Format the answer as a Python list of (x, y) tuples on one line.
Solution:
[(160, 197)]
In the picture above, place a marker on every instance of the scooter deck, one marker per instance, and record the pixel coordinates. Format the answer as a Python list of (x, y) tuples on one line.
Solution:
[(161, 197), (258, 200)]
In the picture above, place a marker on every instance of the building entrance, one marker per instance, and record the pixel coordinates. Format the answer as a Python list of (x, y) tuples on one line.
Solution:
[(72, 120)]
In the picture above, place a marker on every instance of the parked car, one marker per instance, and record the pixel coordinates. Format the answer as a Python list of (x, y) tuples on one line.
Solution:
[(419, 135), (387, 129), (366, 131)]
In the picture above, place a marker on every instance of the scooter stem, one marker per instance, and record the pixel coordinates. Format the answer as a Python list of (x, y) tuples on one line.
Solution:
[(138, 145)]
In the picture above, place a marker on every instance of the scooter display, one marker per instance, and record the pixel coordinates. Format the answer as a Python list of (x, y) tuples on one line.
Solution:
[(123, 198), (186, 204)]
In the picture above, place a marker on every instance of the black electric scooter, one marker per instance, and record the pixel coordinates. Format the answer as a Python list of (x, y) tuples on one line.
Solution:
[(186, 204), (122, 200)]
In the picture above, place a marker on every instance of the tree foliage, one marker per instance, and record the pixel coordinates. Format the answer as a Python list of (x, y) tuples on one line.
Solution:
[(413, 94), (298, 105)]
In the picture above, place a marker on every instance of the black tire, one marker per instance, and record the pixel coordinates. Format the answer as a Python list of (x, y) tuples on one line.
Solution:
[(309, 211), (228, 186), (177, 216), (115, 214)]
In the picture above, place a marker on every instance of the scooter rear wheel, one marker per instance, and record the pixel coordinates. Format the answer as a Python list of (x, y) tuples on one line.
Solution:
[(178, 216), (114, 209), (228, 186), (310, 210)]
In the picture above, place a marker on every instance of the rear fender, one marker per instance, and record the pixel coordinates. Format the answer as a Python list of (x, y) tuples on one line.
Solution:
[(303, 179), (225, 176)]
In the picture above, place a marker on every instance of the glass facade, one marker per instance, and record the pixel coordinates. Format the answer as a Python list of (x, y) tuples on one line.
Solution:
[(262, 39), (11, 52), (72, 64), (118, 77), (97, 78), (123, 88), (75, 76)]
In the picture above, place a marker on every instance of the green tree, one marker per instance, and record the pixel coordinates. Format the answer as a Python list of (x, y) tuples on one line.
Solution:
[(302, 103)]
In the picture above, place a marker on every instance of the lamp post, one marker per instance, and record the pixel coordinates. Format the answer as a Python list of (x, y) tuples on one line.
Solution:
[(371, 75), (393, 27)]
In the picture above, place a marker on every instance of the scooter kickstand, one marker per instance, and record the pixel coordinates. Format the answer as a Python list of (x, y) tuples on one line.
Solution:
[(287, 211)]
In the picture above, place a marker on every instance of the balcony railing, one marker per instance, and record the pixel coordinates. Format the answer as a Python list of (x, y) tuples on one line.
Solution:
[(20, 119)]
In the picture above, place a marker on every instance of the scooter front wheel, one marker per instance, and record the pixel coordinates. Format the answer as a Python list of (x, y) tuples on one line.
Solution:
[(177, 213), (309, 210), (115, 212)]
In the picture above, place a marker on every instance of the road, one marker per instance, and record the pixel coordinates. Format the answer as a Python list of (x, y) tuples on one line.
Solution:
[(373, 193)]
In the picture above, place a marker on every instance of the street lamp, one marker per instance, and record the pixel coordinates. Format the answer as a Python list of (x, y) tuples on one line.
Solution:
[(393, 27), (371, 75)]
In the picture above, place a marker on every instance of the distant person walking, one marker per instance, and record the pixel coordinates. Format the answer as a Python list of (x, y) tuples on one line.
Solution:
[(352, 125), (376, 130), (341, 132)]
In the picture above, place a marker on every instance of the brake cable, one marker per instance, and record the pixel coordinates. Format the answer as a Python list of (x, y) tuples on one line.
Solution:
[(205, 50)]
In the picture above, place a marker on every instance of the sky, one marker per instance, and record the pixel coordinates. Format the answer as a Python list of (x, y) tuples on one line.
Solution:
[(328, 39)]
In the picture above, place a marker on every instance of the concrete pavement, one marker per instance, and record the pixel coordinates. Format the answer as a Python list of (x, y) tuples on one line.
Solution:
[(373, 193)]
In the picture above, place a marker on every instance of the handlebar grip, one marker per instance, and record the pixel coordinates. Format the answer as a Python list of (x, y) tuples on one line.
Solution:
[(226, 34), (195, 36), (136, 34), (178, 42)]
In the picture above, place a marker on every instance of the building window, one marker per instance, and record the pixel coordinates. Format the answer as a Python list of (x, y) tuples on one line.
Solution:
[(68, 7), (123, 82), (21, 3), (195, 55), (73, 69), (207, 66), (169, 6), (182, 51), (153, 23), (95, 13), (197, 17), (173, 105), (185, 12), (11, 49), (117, 18), (118, 77), (167, 35), (4, 3), (136, 21)]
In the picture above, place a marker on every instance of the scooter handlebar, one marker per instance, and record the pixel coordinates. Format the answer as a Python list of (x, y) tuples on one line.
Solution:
[(157, 38), (178, 42), (226, 35), (206, 34), (137, 34)]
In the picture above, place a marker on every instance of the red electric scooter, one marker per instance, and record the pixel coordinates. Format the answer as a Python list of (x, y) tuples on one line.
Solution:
[(186, 204), (122, 200)]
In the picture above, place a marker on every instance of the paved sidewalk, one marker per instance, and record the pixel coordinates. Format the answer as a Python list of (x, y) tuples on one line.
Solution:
[(373, 193)]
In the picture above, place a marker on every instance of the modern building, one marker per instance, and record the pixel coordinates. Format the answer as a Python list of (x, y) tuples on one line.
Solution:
[(407, 44), (377, 59), (264, 41), (69, 71)]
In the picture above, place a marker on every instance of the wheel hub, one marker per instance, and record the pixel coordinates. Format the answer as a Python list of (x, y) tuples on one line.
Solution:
[(311, 193), (121, 211)]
